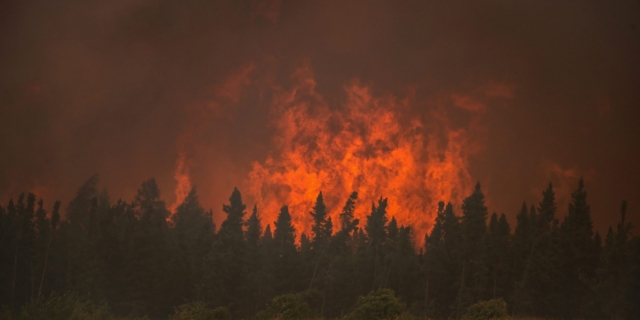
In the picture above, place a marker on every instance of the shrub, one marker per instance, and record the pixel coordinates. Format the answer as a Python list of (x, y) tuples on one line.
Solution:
[(379, 304), (63, 306), (286, 307), (199, 311), (482, 310)]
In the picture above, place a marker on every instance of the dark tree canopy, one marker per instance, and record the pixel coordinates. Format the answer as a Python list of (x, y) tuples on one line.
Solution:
[(142, 261)]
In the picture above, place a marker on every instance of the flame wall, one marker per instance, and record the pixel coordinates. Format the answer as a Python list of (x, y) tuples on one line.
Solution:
[(373, 145)]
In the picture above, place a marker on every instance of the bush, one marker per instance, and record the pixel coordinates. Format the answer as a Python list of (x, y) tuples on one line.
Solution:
[(286, 307), (199, 311), (6, 313), (379, 304), (482, 310), (65, 306), (407, 316)]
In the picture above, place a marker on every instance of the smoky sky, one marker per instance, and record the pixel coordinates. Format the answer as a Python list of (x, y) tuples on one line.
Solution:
[(110, 87)]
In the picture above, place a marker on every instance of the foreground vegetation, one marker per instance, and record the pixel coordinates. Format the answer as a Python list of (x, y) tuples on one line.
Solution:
[(377, 305), (129, 259)]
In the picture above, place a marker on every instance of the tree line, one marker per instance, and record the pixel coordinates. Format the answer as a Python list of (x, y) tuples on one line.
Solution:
[(140, 262)]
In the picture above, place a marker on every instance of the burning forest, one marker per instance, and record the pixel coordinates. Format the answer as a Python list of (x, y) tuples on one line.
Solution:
[(276, 159)]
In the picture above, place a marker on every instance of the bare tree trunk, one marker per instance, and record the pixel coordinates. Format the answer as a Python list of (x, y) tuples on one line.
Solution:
[(44, 268), (316, 267), (386, 280), (324, 296), (375, 270), (460, 292), (33, 280), (15, 272), (426, 295), (495, 280)]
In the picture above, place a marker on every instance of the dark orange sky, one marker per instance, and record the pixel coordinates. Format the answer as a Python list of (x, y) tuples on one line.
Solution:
[(544, 91)]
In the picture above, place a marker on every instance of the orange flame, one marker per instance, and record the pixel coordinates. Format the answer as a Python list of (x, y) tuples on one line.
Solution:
[(368, 146), (183, 185)]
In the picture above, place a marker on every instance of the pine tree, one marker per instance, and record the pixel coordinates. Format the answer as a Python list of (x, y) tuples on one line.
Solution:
[(286, 260), (255, 260), (474, 277), (338, 291), (523, 247), (499, 249), (149, 248), (321, 228), (267, 237), (254, 229), (5, 254), (284, 233), (614, 270), (346, 216), (392, 229), (376, 223), (230, 256), (547, 210), (578, 254), (193, 236), (46, 230), (544, 271), (443, 261)]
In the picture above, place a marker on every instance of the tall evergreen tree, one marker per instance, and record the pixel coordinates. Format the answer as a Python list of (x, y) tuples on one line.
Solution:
[(443, 263), (192, 240), (499, 248), (376, 226), (614, 270), (578, 252), (322, 226), (535, 293), (286, 260), (255, 261), (474, 277), (254, 229), (346, 216), (523, 246), (231, 256), (149, 249)]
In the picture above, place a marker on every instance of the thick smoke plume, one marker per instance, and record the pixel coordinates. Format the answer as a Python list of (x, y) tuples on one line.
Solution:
[(197, 94)]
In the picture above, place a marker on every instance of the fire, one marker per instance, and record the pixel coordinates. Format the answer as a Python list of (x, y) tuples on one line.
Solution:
[(183, 181), (369, 145)]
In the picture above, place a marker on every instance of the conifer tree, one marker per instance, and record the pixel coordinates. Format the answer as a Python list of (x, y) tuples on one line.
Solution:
[(192, 235), (321, 228), (376, 223), (474, 277), (254, 229), (149, 249), (267, 237), (499, 249), (230, 256), (578, 254), (614, 270), (346, 216), (255, 260), (443, 263), (287, 266)]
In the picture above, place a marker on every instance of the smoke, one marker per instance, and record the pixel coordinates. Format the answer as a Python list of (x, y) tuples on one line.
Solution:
[(191, 93)]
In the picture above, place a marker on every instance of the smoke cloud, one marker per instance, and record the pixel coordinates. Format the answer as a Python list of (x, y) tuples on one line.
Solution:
[(191, 93)]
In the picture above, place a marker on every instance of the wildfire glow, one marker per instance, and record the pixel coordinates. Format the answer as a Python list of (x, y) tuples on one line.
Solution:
[(183, 186), (369, 145)]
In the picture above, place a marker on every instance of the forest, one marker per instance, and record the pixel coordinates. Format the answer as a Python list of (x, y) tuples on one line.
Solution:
[(118, 259)]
